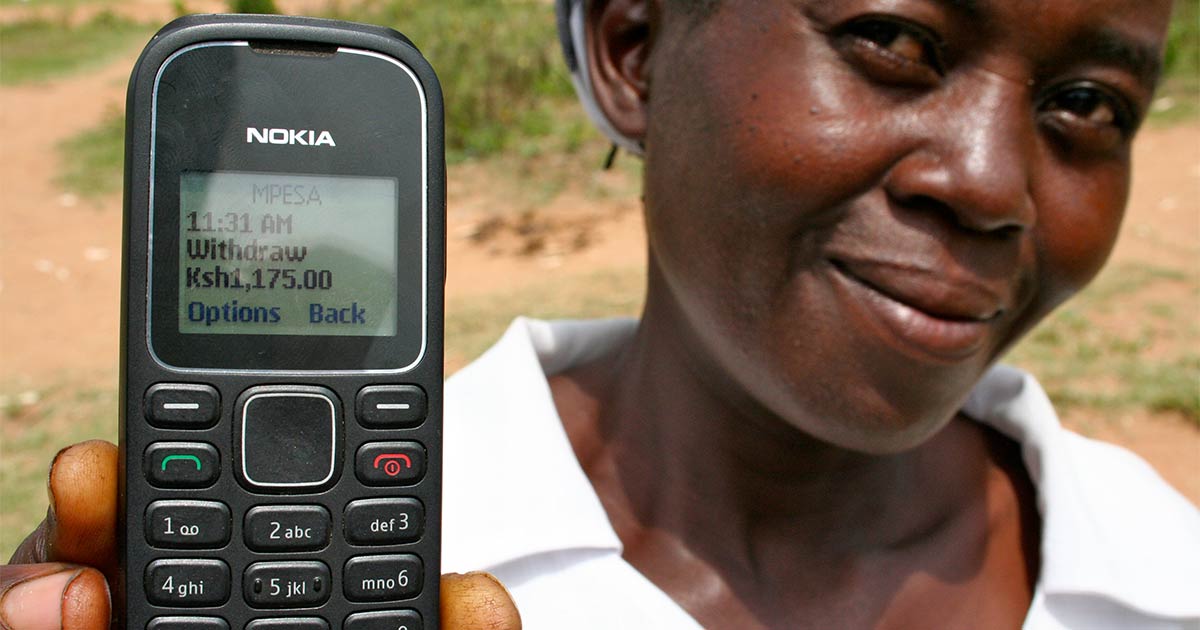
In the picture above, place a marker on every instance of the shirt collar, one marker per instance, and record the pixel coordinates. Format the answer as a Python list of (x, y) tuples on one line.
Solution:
[(499, 410), (1133, 541), (1110, 526)]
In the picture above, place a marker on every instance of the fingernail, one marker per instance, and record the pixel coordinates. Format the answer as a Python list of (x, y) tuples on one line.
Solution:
[(86, 602), (36, 604), (493, 578), (52, 508)]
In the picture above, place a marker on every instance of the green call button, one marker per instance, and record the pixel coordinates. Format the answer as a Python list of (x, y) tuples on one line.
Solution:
[(187, 458), (181, 464)]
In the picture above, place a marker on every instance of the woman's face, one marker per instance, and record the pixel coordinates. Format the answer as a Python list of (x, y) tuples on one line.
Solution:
[(857, 205)]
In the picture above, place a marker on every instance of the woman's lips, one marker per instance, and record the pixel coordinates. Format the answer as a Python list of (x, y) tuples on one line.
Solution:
[(939, 318)]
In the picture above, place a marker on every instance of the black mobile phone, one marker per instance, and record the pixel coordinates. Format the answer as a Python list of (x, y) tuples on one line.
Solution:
[(281, 352)]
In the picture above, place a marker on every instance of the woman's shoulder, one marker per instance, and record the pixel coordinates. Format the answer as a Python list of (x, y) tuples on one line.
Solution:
[(1115, 535)]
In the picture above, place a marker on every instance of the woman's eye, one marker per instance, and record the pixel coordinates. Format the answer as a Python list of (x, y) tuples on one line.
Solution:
[(1089, 117), (894, 50), (1088, 104)]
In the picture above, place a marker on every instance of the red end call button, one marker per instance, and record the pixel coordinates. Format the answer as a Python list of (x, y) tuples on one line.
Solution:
[(390, 463)]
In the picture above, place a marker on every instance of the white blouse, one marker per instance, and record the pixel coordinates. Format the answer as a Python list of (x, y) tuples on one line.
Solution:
[(1120, 547)]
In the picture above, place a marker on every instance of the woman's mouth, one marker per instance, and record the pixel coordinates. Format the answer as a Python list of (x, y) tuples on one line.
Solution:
[(920, 311)]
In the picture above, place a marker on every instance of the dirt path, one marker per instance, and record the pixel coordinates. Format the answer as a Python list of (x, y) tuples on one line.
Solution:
[(59, 255)]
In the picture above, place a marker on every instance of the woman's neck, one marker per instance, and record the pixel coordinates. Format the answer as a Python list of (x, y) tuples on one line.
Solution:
[(704, 486)]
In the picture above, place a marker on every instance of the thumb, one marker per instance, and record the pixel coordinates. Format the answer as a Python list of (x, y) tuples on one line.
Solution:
[(477, 601), (81, 523), (37, 596)]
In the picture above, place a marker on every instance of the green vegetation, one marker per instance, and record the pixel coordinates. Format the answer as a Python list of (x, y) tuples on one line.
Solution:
[(252, 6), (1120, 346), (93, 160), (1182, 56), (38, 49), (502, 72), (36, 426), (1179, 95), (512, 97)]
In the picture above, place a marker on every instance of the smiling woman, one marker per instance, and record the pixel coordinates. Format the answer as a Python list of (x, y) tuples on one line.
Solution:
[(913, 202), (853, 208)]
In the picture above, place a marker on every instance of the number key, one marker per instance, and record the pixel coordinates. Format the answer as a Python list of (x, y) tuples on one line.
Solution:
[(384, 620), (287, 528), (187, 524), (187, 583), (384, 521), (298, 584)]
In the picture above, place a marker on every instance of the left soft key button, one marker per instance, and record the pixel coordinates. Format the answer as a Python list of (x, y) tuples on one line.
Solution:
[(182, 406), (181, 464)]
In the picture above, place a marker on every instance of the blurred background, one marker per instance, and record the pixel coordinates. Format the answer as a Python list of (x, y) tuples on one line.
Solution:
[(536, 226)]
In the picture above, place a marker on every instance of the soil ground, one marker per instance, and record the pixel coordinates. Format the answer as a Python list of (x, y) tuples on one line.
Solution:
[(60, 254)]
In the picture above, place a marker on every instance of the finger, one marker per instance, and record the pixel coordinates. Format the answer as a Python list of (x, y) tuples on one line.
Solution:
[(477, 601), (53, 597), (33, 548), (81, 522)]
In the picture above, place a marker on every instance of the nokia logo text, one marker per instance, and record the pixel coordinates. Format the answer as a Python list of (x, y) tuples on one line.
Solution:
[(306, 137)]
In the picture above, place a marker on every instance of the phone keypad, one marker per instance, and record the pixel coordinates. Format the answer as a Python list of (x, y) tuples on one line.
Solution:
[(287, 440)]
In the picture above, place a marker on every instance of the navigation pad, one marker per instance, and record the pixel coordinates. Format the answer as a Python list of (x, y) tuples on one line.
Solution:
[(288, 437)]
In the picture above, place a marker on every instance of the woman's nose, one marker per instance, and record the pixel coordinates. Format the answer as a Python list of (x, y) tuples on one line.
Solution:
[(976, 156)]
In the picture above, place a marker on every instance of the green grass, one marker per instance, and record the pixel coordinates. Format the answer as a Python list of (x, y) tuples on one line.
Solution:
[(93, 160), (1121, 346), (499, 63), (1178, 97), (1182, 55), (509, 99), (37, 50), (252, 6), (31, 432)]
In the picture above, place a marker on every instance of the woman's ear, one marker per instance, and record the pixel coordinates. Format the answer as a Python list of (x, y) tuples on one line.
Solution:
[(619, 41)]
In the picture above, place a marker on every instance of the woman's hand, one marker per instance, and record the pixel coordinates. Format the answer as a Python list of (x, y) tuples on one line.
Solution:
[(59, 575)]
